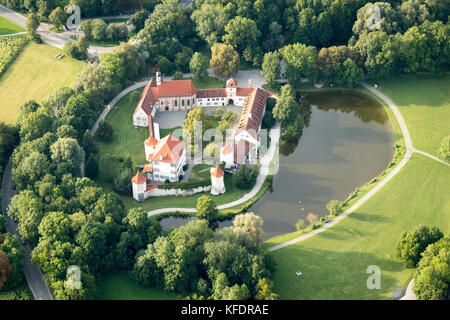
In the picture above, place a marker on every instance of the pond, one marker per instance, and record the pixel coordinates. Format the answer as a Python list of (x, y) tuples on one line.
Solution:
[(347, 141)]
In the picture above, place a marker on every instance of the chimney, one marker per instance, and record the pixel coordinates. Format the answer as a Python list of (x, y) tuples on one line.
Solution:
[(158, 78)]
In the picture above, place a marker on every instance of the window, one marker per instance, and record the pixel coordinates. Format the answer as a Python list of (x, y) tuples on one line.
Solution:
[(188, 102), (176, 103), (182, 103)]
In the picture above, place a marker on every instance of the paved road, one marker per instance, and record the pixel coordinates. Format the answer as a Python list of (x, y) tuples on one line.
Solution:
[(32, 272), (54, 39)]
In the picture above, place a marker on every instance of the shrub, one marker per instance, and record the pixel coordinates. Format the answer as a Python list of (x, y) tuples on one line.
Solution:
[(300, 225), (186, 185), (246, 176), (431, 280), (10, 47), (412, 243), (444, 149), (91, 167), (333, 207), (122, 183), (178, 75), (104, 131)]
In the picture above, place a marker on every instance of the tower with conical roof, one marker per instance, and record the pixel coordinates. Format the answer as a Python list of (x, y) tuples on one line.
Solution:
[(139, 185), (217, 184)]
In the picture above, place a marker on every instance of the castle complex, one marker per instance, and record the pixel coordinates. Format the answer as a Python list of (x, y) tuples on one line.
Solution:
[(167, 156)]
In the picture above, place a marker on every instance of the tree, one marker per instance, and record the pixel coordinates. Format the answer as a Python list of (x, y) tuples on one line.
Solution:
[(286, 105), (57, 17), (242, 33), (300, 225), (97, 82), (86, 27), (33, 23), (300, 63), (380, 53), (138, 19), (206, 208), (105, 131), (349, 74), (99, 30), (333, 207), (55, 226), (224, 60), (10, 244), (91, 167), (413, 13), (271, 67), (5, 268), (210, 21), (424, 47), (66, 149), (388, 22), (250, 224), (35, 124), (264, 290), (191, 123), (312, 218), (444, 149), (412, 243), (246, 176), (122, 182), (199, 65), (432, 280)]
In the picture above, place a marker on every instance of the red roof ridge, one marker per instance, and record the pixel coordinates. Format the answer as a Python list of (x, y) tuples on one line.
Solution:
[(139, 178), (217, 172)]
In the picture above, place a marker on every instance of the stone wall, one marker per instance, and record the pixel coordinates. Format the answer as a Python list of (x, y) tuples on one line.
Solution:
[(176, 192)]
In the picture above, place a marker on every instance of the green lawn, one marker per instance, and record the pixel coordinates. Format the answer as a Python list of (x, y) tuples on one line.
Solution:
[(120, 286), (33, 76), (424, 102), (334, 262), (8, 27)]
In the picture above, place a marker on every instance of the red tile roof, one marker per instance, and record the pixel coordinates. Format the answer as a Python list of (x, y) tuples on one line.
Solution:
[(148, 98), (148, 168), (243, 92), (139, 178), (151, 141), (232, 83), (217, 172), (253, 110), (211, 93), (151, 187), (176, 88), (169, 149)]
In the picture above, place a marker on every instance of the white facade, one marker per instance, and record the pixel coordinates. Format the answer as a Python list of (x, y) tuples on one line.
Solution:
[(163, 171), (139, 191), (217, 184)]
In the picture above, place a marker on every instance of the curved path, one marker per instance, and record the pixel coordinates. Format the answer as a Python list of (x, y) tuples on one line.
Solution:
[(409, 151), (32, 272)]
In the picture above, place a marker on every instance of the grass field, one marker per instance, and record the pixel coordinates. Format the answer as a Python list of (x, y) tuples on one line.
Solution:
[(424, 102), (334, 262), (8, 27), (120, 286), (33, 76)]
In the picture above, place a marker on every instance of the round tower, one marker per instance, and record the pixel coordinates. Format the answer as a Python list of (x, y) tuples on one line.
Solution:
[(217, 184), (139, 185)]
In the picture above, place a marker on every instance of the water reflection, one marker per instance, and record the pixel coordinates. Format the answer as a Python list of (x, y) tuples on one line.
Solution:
[(347, 141)]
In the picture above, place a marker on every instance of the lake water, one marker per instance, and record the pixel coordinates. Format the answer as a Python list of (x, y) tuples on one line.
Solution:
[(348, 140)]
